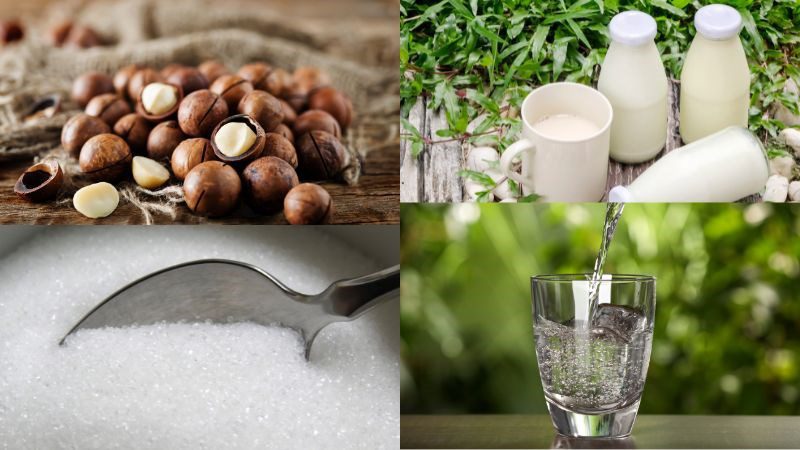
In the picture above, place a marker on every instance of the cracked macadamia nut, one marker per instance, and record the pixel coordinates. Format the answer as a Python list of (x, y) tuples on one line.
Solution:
[(334, 102), (96, 200), (159, 98), (40, 182), (321, 156), (212, 189), (163, 140), (263, 107), (90, 85), (105, 157), (140, 79), (256, 73), (266, 182), (234, 138), (231, 88), (213, 69), (135, 130), (201, 111), (190, 153), (316, 119), (122, 77), (188, 78), (280, 147), (308, 204), (147, 173), (79, 129), (108, 107), (238, 140)]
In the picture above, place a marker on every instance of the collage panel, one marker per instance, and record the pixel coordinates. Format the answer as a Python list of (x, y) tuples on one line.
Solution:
[(191, 111), (139, 338), (535, 322), (585, 101), (586, 326)]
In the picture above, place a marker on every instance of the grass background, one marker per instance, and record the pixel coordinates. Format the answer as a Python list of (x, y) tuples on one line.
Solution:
[(727, 327)]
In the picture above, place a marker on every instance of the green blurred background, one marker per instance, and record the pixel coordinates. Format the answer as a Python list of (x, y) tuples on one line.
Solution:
[(727, 328)]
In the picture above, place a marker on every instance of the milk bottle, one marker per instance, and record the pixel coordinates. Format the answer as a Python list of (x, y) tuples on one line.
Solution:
[(634, 80), (715, 82), (724, 167)]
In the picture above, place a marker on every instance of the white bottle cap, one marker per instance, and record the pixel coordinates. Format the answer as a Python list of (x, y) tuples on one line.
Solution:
[(718, 22), (632, 28), (620, 194)]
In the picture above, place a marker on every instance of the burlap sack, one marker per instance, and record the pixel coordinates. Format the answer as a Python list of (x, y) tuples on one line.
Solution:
[(156, 33)]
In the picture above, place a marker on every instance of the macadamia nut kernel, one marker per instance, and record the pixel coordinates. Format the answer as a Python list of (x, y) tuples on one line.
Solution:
[(234, 138), (159, 98), (96, 200), (148, 173)]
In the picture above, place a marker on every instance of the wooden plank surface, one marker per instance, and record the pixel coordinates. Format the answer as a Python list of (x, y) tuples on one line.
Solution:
[(650, 431), (411, 167), (439, 185), (440, 180), (374, 200)]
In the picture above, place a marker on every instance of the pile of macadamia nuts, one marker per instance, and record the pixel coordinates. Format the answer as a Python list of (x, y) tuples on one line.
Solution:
[(250, 135)]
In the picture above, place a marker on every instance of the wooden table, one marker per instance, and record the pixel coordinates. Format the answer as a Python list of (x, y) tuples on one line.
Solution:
[(432, 177), (650, 431), (373, 200)]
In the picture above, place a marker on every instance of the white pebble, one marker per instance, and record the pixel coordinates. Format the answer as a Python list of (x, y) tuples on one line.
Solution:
[(473, 188), (791, 136), (782, 165), (777, 189), (794, 191), (481, 159), (186, 386), (781, 112), (502, 190)]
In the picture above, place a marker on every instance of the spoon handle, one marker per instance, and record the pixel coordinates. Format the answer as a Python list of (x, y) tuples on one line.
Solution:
[(352, 297)]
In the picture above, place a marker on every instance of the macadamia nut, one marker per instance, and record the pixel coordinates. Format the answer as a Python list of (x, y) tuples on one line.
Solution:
[(96, 200), (148, 173), (159, 98), (234, 138)]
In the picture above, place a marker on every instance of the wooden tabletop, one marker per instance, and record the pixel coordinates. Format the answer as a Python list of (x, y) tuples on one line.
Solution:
[(650, 431), (374, 200)]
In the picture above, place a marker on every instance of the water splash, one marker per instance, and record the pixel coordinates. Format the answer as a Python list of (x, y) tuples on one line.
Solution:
[(613, 214)]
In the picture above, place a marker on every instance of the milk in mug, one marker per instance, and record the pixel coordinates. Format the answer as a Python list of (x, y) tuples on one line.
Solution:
[(724, 167), (633, 79), (715, 81)]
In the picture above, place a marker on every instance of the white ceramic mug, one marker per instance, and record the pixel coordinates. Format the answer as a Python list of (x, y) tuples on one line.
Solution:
[(562, 170)]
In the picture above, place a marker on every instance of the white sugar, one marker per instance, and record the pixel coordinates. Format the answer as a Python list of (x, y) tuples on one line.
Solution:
[(187, 386)]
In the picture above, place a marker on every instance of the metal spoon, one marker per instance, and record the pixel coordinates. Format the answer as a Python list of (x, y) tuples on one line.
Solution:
[(222, 291)]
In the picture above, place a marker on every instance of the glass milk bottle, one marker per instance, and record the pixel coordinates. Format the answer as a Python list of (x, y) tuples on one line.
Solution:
[(633, 78), (723, 167), (715, 82)]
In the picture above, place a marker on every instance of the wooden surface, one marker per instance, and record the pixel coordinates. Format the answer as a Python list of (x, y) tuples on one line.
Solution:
[(650, 431), (433, 176), (373, 200)]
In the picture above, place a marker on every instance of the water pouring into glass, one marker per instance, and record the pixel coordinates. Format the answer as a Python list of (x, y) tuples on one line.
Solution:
[(593, 336)]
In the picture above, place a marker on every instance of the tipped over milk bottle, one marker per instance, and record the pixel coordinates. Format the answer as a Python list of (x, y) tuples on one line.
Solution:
[(633, 79), (724, 167), (715, 81)]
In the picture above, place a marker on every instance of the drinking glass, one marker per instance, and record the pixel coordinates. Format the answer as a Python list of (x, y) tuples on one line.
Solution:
[(593, 371)]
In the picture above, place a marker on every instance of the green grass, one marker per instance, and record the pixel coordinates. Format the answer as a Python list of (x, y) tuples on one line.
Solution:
[(475, 57)]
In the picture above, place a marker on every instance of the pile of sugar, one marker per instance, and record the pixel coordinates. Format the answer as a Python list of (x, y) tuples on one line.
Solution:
[(187, 386)]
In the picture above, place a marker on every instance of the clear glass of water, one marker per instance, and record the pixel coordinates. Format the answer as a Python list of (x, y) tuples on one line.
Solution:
[(593, 370)]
